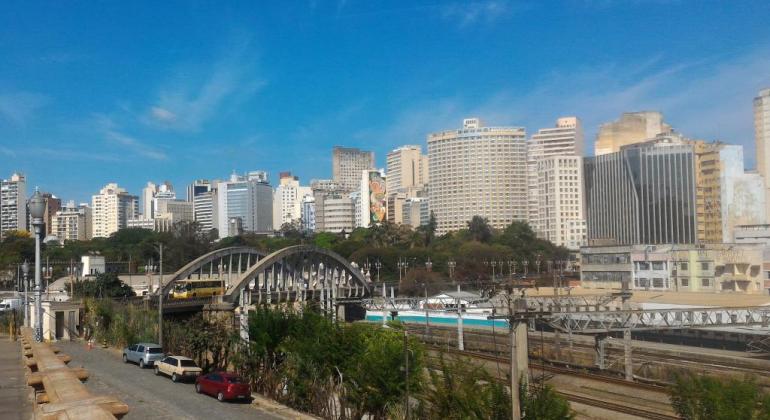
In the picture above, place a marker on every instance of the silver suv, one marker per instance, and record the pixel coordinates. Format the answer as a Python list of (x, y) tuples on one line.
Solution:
[(146, 354)]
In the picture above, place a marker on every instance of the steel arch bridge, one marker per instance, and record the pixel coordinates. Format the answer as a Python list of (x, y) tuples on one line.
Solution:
[(295, 273), (228, 263), (299, 273)]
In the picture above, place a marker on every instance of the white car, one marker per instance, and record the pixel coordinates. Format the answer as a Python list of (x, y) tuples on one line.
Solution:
[(177, 367)]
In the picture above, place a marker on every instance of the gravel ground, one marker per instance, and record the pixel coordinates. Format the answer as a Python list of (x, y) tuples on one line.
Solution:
[(149, 396)]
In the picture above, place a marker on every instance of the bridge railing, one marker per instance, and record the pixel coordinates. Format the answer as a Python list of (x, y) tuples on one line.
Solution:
[(63, 395)]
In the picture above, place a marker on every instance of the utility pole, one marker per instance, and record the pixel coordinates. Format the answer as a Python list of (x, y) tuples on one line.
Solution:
[(160, 298), (515, 398), (406, 372)]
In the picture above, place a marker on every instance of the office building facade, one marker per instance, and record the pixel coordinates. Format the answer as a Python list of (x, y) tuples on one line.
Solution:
[(478, 171), (559, 192), (347, 164), (249, 198), (287, 201)]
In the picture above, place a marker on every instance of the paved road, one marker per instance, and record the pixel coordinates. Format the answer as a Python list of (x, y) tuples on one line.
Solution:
[(149, 396), (14, 402)]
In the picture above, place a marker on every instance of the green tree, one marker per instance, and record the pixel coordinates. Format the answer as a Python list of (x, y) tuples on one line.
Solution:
[(479, 229), (105, 285), (710, 398)]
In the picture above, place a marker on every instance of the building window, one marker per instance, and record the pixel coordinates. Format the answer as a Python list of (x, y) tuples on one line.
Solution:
[(683, 266), (685, 282), (704, 266), (658, 265), (705, 282), (657, 282), (641, 265)]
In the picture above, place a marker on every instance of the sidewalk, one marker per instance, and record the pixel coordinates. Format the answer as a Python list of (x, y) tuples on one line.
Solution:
[(14, 396)]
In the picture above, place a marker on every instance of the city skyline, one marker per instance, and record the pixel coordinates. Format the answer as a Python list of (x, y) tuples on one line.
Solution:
[(219, 97)]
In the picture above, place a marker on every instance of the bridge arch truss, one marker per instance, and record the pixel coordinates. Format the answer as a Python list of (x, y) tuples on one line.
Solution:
[(300, 273), (225, 263)]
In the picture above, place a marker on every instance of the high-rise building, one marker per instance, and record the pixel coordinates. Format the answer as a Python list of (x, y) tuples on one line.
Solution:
[(52, 205), (565, 139), (373, 199), (308, 214), (347, 164), (249, 198), (632, 127), (287, 201), (670, 190), (478, 171), (13, 203), (72, 223), (560, 217), (152, 193), (111, 209), (333, 206), (169, 212), (762, 139), (416, 211), (199, 186), (407, 176), (205, 208)]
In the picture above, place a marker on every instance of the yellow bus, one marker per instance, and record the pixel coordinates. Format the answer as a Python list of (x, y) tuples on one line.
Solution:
[(198, 288)]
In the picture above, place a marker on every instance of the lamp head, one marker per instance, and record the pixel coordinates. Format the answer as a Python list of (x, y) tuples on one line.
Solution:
[(25, 267), (37, 205)]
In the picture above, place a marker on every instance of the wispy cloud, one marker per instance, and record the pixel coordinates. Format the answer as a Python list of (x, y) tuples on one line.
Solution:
[(186, 104), (466, 14), (7, 152), (20, 107), (114, 135), (709, 99)]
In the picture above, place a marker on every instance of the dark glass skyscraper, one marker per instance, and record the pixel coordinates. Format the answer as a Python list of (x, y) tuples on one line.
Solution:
[(643, 194)]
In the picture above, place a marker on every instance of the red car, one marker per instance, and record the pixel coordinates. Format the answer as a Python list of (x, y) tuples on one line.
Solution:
[(223, 385)]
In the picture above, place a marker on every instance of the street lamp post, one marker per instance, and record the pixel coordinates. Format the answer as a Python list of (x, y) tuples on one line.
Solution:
[(36, 210), (428, 264), (160, 297), (378, 265), (25, 271)]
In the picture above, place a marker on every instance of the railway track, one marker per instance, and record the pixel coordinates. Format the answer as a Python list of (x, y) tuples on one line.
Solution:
[(571, 396)]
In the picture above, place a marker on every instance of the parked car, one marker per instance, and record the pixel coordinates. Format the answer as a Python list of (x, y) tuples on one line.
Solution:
[(223, 385), (145, 354), (178, 367)]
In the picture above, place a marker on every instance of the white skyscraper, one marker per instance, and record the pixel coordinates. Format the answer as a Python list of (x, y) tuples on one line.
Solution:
[(287, 201), (151, 194), (565, 139), (407, 176), (560, 207), (111, 209), (478, 171), (13, 204), (762, 138)]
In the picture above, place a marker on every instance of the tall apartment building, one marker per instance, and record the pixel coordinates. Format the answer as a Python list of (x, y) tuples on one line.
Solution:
[(565, 139), (334, 208), (52, 205), (249, 198), (560, 217), (407, 176), (287, 201), (205, 209), (169, 212), (762, 139), (153, 193), (670, 190), (416, 211), (478, 171), (111, 209), (632, 127), (72, 223), (347, 164), (13, 204)]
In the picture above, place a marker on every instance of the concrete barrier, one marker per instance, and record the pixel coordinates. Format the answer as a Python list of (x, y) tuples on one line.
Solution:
[(60, 394)]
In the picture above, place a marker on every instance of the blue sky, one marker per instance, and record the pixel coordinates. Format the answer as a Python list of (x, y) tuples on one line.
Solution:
[(97, 92)]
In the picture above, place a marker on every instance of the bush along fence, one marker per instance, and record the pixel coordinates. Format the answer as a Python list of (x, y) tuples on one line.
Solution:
[(332, 370)]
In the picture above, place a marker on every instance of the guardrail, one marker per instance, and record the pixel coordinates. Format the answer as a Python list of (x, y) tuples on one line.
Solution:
[(60, 394)]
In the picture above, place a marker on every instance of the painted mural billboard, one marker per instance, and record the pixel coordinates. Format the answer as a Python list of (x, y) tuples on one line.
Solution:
[(377, 199)]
